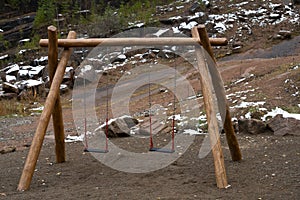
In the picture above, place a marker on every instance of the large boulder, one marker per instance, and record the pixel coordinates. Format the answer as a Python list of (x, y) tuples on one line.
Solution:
[(252, 126), (284, 126), (120, 127)]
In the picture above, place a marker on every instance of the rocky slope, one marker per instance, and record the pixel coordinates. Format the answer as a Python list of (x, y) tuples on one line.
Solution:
[(248, 25)]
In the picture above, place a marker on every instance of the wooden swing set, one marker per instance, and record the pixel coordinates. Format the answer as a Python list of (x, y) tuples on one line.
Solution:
[(53, 106)]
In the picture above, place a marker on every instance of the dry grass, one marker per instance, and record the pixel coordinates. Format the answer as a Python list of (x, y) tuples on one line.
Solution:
[(11, 107)]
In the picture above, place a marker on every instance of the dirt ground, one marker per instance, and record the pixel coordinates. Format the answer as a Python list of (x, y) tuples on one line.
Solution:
[(269, 169)]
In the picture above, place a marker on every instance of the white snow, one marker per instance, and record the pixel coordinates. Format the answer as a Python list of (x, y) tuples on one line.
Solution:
[(196, 15), (176, 30), (23, 72), (122, 56), (68, 69), (24, 40), (248, 115), (279, 111), (22, 51), (74, 138), (178, 117), (36, 70), (206, 2), (295, 94), (32, 83), (4, 56), (63, 86), (13, 68), (25, 67), (188, 26), (136, 24), (175, 18), (240, 80), (43, 58), (241, 4), (220, 27), (245, 104), (110, 121), (41, 108), (86, 68), (192, 132), (179, 7), (10, 78), (160, 32)]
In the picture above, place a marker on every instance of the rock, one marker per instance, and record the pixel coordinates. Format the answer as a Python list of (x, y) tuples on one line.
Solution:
[(196, 7), (296, 2), (9, 149), (136, 51), (120, 127), (8, 96), (275, 16), (284, 126), (215, 10), (149, 55), (237, 44), (173, 20), (252, 126), (167, 21), (278, 6), (237, 49), (119, 58), (10, 88), (242, 18), (285, 34), (3, 76), (36, 72)]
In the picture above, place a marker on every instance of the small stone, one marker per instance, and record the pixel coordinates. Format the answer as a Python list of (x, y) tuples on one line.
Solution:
[(7, 150)]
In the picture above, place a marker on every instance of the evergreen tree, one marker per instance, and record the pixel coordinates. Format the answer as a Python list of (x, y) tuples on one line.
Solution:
[(45, 13)]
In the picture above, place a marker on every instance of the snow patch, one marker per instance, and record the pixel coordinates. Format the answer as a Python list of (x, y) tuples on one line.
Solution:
[(192, 132), (245, 104), (279, 111), (160, 32), (74, 138)]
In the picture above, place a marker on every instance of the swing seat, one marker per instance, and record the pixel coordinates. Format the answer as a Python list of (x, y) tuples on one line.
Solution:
[(96, 150), (162, 150)]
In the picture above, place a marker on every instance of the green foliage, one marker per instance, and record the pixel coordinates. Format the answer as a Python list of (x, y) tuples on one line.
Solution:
[(138, 11), (21, 6), (34, 42), (45, 13), (5, 43)]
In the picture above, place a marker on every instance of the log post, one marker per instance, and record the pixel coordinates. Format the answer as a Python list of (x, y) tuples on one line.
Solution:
[(213, 128), (39, 135), (57, 117), (228, 127)]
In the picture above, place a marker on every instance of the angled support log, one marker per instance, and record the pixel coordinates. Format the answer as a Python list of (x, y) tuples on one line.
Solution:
[(213, 129), (228, 127), (39, 135)]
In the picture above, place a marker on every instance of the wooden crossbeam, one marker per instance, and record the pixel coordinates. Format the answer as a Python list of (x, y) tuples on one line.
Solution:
[(130, 41)]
